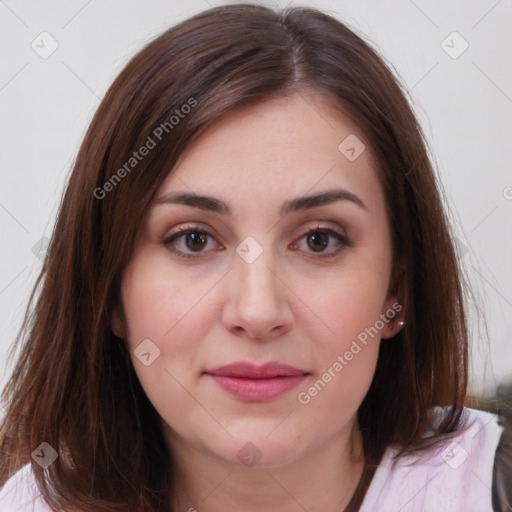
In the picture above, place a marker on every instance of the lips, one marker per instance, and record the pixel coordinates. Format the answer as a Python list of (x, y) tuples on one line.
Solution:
[(254, 383), (252, 371)]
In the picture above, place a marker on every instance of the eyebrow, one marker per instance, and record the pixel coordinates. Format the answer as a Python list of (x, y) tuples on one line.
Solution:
[(297, 204)]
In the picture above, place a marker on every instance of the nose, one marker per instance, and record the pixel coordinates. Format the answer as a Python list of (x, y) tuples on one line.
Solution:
[(257, 302)]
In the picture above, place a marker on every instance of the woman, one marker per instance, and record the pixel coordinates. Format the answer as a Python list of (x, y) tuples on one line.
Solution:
[(251, 300)]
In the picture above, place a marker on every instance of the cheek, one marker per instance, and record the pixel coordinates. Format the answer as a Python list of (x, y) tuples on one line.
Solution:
[(172, 310), (347, 350), (349, 306), (347, 345), (157, 300)]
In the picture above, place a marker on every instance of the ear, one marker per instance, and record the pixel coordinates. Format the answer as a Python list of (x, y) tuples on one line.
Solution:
[(393, 317), (393, 313)]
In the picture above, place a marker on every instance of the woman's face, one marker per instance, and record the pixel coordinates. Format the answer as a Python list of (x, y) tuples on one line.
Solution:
[(235, 279)]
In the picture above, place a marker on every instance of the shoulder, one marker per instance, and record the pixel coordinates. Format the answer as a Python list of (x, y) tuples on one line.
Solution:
[(20, 493), (455, 474)]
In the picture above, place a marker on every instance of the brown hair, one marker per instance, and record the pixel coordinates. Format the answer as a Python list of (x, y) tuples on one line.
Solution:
[(74, 385)]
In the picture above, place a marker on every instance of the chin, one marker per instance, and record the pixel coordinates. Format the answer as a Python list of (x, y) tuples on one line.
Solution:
[(262, 450)]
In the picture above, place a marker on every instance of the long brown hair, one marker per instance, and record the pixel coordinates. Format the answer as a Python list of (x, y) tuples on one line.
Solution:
[(74, 386)]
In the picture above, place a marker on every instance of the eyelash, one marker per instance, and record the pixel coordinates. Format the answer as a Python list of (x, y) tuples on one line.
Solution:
[(168, 241)]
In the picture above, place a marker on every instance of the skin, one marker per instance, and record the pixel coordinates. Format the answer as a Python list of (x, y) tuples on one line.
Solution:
[(289, 305)]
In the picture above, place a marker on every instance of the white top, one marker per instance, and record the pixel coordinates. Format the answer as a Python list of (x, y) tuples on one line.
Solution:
[(455, 476)]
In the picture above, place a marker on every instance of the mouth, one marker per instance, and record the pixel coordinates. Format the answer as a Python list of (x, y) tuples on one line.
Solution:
[(254, 383)]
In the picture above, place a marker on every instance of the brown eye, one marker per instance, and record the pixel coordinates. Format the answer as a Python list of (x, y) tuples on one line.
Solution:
[(325, 242), (318, 241), (196, 241), (190, 242)]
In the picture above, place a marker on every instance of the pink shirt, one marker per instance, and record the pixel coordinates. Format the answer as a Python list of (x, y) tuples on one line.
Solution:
[(455, 476)]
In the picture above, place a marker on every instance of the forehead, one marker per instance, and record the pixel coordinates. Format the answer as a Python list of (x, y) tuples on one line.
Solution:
[(278, 148)]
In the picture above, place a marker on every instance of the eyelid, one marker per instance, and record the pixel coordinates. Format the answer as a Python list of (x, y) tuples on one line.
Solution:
[(185, 227), (326, 225)]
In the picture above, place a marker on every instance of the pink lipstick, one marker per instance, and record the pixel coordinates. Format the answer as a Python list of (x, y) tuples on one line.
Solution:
[(254, 383)]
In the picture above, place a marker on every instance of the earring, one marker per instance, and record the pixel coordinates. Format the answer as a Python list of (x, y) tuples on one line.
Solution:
[(401, 324)]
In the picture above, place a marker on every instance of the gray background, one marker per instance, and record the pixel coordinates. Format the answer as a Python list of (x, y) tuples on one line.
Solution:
[(463, 103)]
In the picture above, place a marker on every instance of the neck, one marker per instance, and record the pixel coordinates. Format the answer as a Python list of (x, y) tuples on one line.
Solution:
[(324, 480)]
